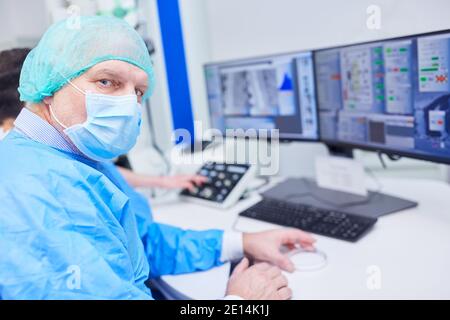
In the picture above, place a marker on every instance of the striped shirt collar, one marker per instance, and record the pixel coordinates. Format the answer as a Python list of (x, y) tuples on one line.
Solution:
[(41, 131)]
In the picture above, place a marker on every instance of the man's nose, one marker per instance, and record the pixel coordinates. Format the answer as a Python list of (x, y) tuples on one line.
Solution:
[(128, 90)]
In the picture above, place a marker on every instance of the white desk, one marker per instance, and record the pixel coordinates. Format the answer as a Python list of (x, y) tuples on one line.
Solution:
[(411, 249)]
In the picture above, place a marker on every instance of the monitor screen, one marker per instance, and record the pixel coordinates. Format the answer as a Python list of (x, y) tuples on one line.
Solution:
[(391, 95), (275, 92)]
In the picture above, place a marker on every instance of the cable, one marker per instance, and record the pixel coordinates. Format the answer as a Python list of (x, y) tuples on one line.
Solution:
[(394, 157), (375, 179), (391, 157), (380, 157)]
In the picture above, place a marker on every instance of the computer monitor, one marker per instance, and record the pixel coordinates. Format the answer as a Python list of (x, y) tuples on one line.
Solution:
[(391, 96), (274, 92)]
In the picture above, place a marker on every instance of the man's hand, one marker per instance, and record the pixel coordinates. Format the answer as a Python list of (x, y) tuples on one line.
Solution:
[(258, 282), (266, 246), (182, 181)]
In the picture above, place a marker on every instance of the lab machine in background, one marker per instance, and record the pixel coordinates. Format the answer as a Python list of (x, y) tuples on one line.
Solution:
[(225, 185), (265, 93), (274, 92), (390, 96)]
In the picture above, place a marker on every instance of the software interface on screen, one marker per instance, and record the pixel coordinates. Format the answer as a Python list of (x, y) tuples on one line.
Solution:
[(265, 93), (392, 94)]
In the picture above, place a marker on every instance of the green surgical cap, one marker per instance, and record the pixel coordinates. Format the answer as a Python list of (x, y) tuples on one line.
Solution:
[(68, 49)]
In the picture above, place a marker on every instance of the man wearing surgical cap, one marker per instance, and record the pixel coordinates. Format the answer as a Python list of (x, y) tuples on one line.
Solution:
[(70, 225)]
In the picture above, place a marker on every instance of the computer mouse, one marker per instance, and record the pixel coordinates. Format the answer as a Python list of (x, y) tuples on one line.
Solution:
[(304, 260)]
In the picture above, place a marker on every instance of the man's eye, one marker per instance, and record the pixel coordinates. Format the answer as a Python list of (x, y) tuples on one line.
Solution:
[(139, 93), (106, 83)]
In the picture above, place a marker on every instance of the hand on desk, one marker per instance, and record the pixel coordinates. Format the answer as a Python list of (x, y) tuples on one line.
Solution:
[(166, 182), (261, 281), (266, 246), (181, 181), (264, 280)]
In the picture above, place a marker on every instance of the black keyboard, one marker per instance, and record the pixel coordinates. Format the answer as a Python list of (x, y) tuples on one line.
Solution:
[(334, 224)]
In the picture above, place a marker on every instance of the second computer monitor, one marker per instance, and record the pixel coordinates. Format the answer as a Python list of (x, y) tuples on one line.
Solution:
[(276, 92), (391, 95)]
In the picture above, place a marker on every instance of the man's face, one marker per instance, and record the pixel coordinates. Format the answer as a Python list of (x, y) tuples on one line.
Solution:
[(115, 78)]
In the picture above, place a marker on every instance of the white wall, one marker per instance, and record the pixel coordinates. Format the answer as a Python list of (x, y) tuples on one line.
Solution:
[(194, 18), (246, 28), (240, 28), (22, 22), (5, 35)]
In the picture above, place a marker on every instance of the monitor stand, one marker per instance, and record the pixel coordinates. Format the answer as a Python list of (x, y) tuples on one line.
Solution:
[(305, 191)]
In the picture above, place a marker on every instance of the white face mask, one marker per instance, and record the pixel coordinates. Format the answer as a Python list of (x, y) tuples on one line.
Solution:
[(112, 127), (3, 133)]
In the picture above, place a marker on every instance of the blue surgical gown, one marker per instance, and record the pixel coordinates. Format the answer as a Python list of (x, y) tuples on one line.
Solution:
[(71, 228)]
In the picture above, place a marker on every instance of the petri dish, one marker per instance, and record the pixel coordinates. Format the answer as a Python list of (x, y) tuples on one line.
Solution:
[(304, 260)]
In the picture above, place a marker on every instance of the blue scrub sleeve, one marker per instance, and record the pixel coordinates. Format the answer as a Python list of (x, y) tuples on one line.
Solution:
[(59, 270), (171, 250), (46, 256)]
